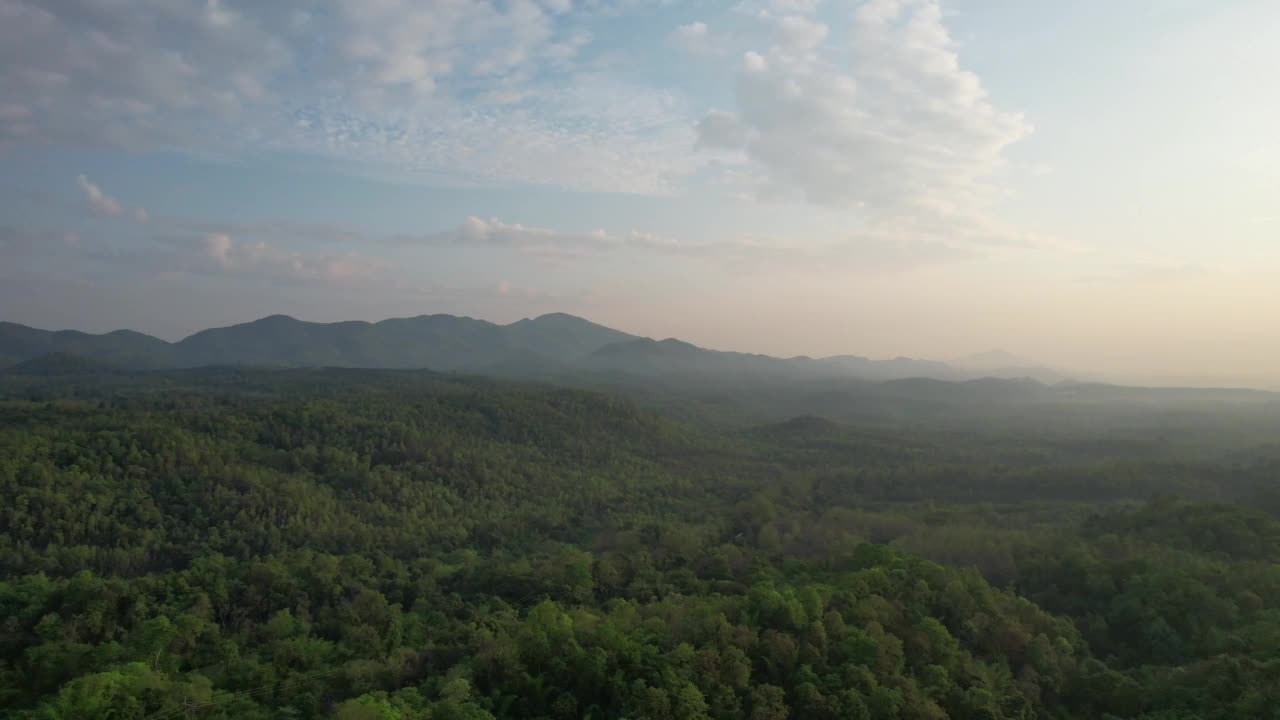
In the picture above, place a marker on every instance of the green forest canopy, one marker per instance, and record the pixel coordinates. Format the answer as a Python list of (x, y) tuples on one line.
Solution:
[(378, 544)]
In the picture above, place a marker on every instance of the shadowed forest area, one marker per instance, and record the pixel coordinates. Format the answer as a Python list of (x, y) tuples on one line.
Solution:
[(360, 544)]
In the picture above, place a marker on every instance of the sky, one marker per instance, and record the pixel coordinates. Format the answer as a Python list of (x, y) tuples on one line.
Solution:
[(1093, 185)]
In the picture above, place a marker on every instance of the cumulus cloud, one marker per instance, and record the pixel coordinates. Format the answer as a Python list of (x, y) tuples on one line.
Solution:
[(885, 121)]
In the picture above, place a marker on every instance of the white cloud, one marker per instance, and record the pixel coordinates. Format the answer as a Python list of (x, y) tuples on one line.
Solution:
[(495, 92), (459, 92), (492, 232), (268, 252), (796, 6), (695, 39), (885, 121), (754, 62), (722, 130), (394, 44), (773, 8), (129, 73), (98, 200), (220, 253), (593, 132), (102, 203)]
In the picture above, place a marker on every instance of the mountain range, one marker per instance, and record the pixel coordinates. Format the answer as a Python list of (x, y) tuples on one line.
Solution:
[(544, 346)]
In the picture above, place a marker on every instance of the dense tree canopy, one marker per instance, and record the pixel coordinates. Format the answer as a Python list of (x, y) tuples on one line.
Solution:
[(410, 546)]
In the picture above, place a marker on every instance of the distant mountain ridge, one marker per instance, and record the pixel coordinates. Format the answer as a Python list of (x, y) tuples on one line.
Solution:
[(547, 345), (1004, 364)]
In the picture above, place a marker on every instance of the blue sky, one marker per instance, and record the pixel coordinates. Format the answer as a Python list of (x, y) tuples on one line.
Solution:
[(1091, 184)]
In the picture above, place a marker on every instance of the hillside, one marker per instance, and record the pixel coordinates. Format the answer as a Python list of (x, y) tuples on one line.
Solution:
[(554, 345), (57, 364), (122, 348), (343, 544)]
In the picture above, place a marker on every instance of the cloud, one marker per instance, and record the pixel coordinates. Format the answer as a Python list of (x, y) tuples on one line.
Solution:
[(494, 233), (773, 8), (796, 6), (722, 130), (882, 247), (173, 250), (592, 133), (286, 232), (695, 38), (885, 121), (130, 73), (220, 253), (455, 92), (98, 200), (797, 34), (409, 45), (104, 204)]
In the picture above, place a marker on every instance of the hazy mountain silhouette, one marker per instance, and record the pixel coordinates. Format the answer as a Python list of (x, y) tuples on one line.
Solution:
[(1004, 364), (554, 344), (994, 358), (123, 348)]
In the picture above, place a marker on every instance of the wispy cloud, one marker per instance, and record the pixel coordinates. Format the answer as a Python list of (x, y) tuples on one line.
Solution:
[(541, 241), (219, 252), (869, 249), (99, 201), (103, 204)]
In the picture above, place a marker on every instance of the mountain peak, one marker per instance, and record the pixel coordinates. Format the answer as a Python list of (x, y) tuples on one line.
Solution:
[(561, 317), (274, 320)]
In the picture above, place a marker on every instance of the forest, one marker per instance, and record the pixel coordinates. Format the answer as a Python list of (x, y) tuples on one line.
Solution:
[(407, 545)]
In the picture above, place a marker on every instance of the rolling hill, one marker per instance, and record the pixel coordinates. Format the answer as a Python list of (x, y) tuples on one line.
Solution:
[(554, 345)]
